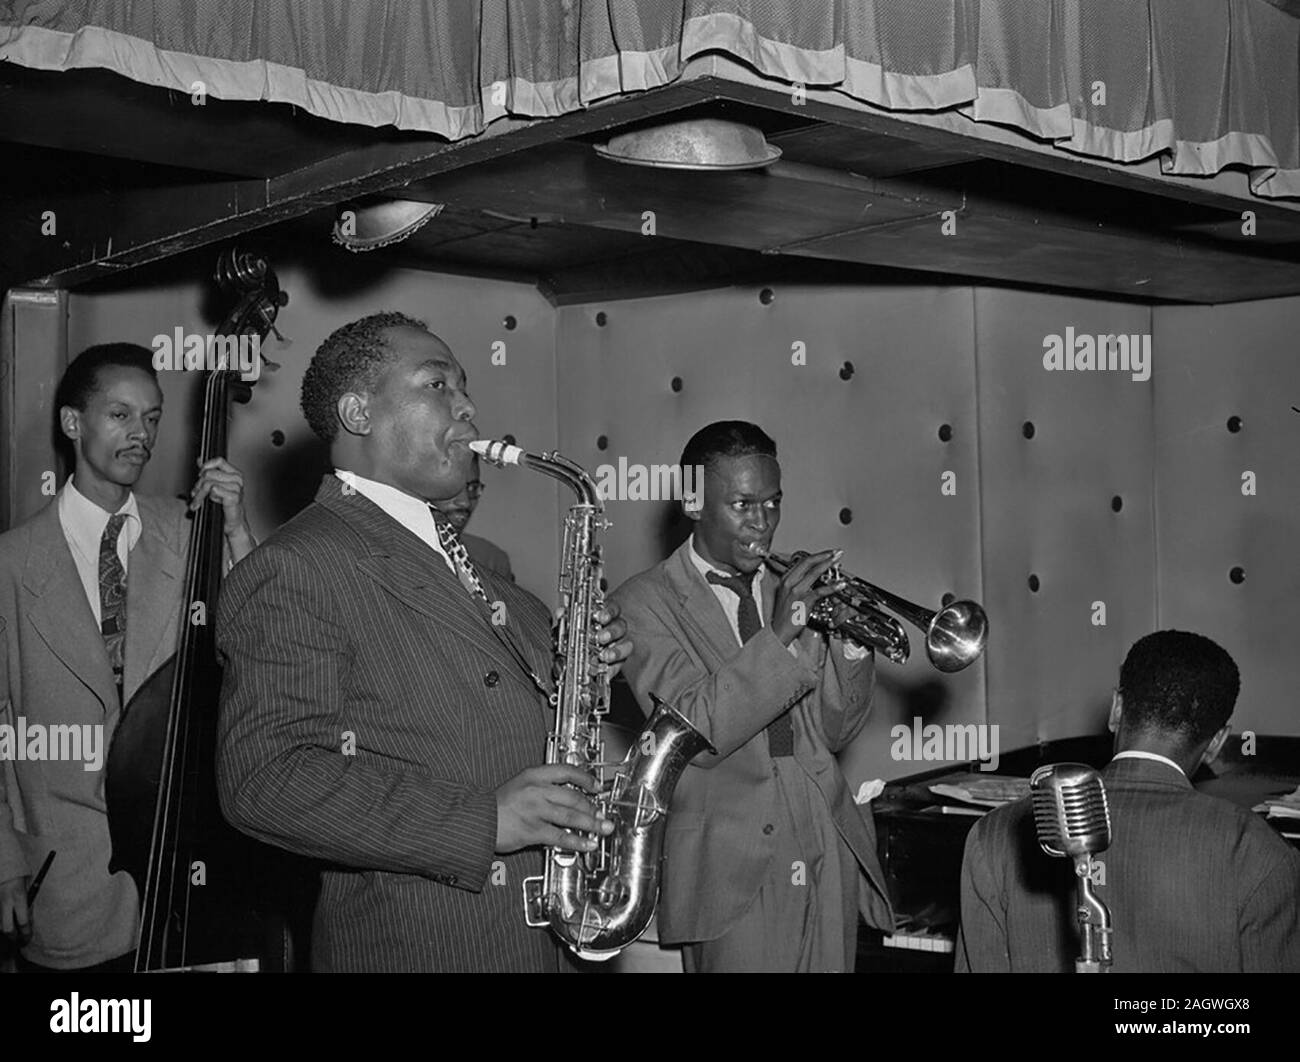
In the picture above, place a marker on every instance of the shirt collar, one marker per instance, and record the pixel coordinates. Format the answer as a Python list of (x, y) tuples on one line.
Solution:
[(409, 511), (1137, 754), (85, 520), (704, 567)]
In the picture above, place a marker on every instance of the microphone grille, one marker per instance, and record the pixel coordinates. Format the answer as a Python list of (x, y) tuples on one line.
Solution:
[(1071, 813)]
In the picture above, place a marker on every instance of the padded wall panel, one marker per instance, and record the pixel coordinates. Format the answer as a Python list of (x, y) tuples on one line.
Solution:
[(1047, 511), (868, 444), (1233, 361), (519, 510)]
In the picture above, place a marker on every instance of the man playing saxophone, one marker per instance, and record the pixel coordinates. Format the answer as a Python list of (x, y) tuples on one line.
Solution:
[(384, 706), (768, 860)]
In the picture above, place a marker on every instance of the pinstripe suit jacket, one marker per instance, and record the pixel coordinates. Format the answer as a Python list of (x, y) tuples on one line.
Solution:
[(368, 713), (54, 670), (1193, 883), (718, 846)]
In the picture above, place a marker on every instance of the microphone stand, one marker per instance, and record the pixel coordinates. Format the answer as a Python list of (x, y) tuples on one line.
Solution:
[(1094, 922)]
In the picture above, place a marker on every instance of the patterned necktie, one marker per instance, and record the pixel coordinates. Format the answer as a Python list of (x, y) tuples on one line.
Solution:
[(112, 598), (780, 733), (469, 580), (458, 553)]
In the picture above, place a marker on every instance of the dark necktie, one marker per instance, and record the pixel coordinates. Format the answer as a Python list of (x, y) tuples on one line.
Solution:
[(780, 733), (112, 598)]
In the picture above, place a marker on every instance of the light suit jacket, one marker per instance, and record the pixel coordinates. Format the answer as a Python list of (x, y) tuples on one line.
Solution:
[(54, 670), (719, 846)]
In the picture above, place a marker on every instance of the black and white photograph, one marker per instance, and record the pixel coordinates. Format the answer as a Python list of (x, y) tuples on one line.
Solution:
[(650, 487)]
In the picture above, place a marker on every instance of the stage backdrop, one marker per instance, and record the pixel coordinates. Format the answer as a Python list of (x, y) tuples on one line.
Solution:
[(917, 428)]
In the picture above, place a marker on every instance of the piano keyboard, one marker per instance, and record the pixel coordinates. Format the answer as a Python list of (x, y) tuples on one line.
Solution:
[(921, 940)]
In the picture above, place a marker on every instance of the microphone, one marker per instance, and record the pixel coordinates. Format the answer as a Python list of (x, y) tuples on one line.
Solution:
[(1072, 819)]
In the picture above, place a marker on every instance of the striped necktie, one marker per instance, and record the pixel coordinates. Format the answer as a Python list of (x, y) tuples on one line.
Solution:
[(780, 732), (112, 598)]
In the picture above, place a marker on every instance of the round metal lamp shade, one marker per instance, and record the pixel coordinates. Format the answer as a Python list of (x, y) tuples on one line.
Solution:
[(378, 224), (698, 144)]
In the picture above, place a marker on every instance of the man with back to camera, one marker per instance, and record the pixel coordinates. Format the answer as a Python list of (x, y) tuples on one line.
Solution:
[(1193, 883), (767, 857), (90, 606), (376, 713)]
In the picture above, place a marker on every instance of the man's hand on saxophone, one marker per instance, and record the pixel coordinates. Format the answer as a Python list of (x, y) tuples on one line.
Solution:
[(543, 806), (612, 636)]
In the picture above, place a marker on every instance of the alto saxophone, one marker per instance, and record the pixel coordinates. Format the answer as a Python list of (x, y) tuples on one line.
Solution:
[(601, 901)]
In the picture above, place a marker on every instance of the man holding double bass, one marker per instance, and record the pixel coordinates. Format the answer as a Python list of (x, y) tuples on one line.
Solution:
[(91, 594)]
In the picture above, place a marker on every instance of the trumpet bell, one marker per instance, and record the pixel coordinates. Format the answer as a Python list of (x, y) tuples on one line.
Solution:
[(956, 636)]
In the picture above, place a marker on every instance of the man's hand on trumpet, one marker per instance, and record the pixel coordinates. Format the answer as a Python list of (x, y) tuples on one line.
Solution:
[(797, 594)]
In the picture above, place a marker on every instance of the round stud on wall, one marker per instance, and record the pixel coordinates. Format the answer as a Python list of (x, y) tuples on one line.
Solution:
[(767, 296), (277, 437), (847, 370), (1027, 429), (676, 383), (601, 318), (1033, 584), (945, 433), (1237, 575), (1116, 504), (846, 516), (1235, 424), (602, 442), (510, 323)]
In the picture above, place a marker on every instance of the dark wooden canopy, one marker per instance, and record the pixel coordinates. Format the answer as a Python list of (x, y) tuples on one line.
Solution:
[(135, 174)]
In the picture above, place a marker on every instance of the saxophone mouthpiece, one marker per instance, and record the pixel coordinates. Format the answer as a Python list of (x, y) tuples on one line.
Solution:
[(497, 452)]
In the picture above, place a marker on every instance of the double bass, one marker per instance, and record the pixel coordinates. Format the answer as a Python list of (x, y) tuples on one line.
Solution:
[(211, 899)]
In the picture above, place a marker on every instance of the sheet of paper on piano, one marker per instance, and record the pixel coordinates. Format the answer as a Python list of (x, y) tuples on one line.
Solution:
[(987, 791), (1283, 807)]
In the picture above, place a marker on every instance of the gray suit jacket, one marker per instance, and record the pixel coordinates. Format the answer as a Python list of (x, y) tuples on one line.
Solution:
[(1193, 884), (485, 554), (368, 714), (54, 670), (718, 851)]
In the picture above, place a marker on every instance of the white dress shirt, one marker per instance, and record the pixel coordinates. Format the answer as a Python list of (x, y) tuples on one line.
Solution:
[(1136, 754), (408, 510), (730, 601), (83, 524)]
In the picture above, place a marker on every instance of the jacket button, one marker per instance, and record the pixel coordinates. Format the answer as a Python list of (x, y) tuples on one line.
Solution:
[(768, 828), (491, 679), (451, 879)]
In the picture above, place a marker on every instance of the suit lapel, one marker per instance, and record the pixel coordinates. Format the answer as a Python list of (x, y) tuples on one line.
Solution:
[(155, 572), (60, 612), (701, 611), (414, 574)]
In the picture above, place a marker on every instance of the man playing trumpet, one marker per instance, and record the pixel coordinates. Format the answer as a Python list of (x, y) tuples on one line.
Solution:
[(767, 859)]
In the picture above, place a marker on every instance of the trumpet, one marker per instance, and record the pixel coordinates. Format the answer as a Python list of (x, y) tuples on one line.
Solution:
[(955, 635)]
